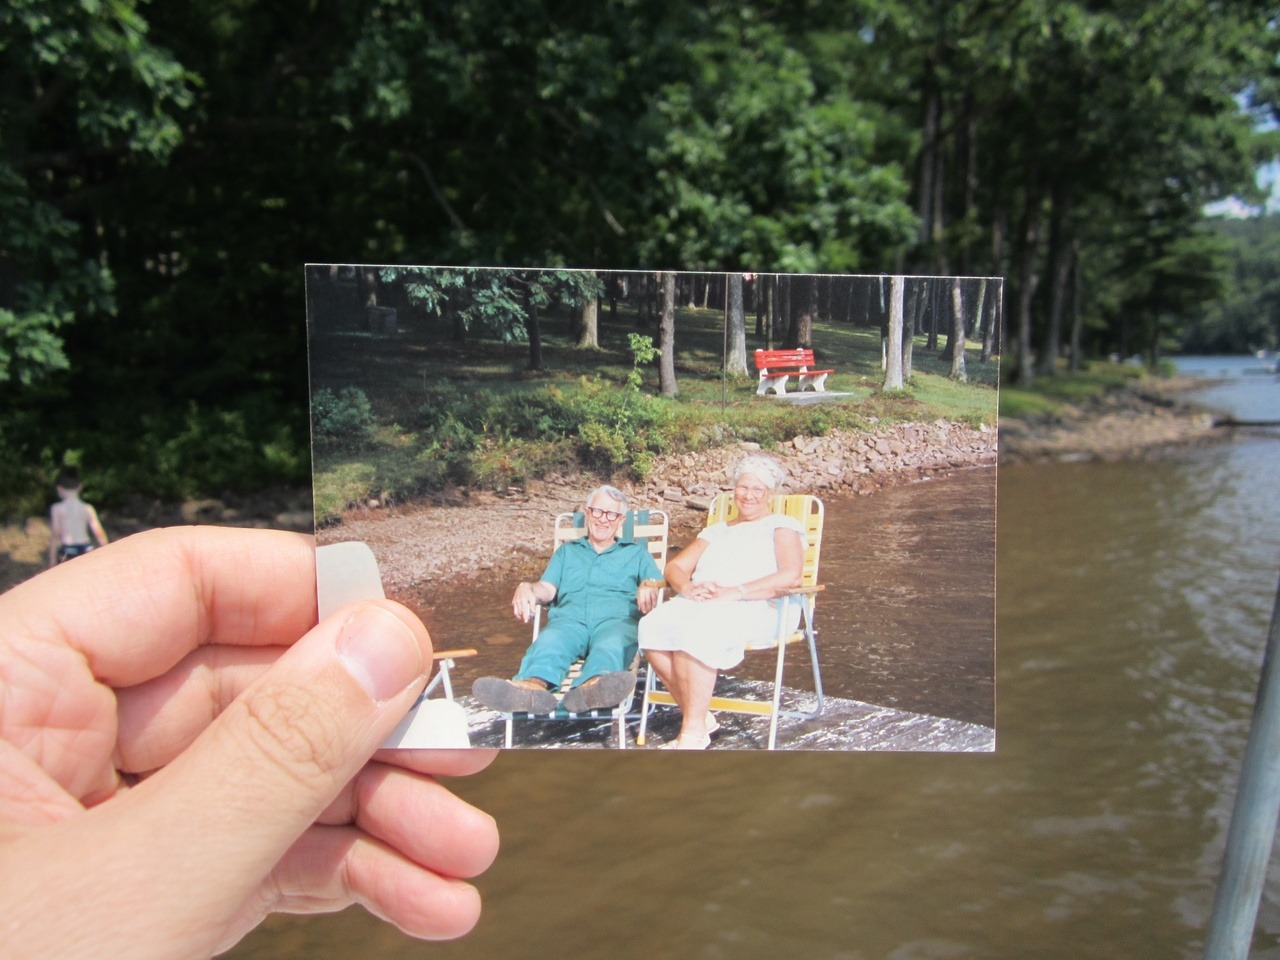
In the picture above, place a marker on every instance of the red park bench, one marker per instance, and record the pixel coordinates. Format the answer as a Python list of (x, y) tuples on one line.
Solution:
[(776, 366)]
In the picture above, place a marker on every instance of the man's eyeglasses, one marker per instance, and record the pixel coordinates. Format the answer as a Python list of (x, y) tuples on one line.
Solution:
[(608, 516)]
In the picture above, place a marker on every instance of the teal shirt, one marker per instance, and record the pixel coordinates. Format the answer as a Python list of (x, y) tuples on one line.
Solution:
[(591, 587)]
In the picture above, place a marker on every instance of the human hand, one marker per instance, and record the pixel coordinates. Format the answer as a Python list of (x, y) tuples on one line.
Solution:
[(182, 753), (525, 602), (646, 598), (700, 591)]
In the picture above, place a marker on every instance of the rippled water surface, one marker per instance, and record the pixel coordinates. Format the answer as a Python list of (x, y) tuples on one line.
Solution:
[(1133, 608)]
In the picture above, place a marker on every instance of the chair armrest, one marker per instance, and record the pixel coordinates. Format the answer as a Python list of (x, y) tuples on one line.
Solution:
[(658, 584), (804, 591), (454, 654)]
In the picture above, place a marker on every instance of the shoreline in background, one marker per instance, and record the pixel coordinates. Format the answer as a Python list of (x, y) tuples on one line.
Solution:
[(1130, 422), (453, 534)]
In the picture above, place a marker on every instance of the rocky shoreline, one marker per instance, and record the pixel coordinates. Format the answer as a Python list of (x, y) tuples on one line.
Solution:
[(469, 534), (465, 535)]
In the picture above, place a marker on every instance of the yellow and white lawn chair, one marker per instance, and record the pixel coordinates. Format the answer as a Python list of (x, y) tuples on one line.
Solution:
[(808, 509), (646, 527)]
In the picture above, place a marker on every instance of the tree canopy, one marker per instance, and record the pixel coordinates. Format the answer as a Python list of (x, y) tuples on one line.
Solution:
[(167, 169)]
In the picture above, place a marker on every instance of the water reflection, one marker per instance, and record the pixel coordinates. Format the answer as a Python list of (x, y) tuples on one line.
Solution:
[(1133, 608)]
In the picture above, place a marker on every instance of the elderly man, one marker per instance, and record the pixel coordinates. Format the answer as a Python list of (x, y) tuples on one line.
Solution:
[(595, 589)]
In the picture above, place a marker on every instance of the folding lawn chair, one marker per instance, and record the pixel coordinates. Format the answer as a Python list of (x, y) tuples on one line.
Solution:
[(808, 510), (647, 527)]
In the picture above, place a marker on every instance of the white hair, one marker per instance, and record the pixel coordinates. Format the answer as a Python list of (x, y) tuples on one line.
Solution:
[(758, 465), (613, 493)]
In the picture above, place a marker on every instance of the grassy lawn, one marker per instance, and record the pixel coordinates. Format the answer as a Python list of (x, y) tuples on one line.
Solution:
[(472, 413), (1051, 394)]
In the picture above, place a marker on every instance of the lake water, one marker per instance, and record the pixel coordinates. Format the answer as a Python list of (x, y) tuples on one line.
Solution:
[(1133, 608), (1245, 387)]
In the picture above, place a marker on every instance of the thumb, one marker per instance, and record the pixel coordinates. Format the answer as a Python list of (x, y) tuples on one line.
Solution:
[(233, 803)]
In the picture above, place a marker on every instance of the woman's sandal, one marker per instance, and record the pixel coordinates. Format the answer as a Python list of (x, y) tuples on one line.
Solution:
[(677, 744), (713, 726)]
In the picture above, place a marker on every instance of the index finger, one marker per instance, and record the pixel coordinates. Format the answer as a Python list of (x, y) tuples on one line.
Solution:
[(136, 607)]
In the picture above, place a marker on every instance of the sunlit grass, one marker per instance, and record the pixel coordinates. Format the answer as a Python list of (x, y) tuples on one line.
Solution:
[(1052, 394)]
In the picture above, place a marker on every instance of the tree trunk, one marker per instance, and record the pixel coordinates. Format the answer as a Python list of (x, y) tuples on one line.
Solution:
[(957, 331), (804, 304), (931, 342), (893, 357), (771, 311), (926, 192), (454, 318), (785, 294), (980, 311), (883, 317), (757, 294), (736, 361), (993, 326), (1060, 252), (533, 328), (667, 337), (1077, 310), (994, 342), (915, 303), (975, 331), (589, 337), (968, 148), (367, 285), (1028, 280)]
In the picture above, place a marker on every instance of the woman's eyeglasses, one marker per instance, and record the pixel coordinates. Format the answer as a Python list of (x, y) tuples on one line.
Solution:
[(608, 516)]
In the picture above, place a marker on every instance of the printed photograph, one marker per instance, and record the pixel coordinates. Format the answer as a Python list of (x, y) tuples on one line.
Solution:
[(668, 510)]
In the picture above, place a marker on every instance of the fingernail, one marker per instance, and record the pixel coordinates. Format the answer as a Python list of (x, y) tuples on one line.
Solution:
[(379, 651)]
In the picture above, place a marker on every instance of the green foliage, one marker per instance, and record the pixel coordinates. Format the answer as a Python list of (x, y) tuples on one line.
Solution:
[(753, 164), (165, 169), (499, 303), (344, 416), (85, 90), (1247, 317), (643, 351)]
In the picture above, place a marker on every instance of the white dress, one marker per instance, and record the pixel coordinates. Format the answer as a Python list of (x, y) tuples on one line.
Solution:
[(717, 632)]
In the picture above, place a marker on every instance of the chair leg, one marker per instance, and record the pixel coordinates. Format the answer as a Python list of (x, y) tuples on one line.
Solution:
[(510, 724), (642, 736), (445, 666), (811, 635), (777, 694)]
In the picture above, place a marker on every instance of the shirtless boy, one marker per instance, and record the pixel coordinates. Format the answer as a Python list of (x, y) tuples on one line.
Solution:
[(72, 521)]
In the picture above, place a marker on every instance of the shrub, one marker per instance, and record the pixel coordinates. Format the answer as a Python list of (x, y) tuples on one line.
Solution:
[(345, 416)]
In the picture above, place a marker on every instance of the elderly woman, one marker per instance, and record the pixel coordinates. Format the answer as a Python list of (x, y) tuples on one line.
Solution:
[(724, 583)]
